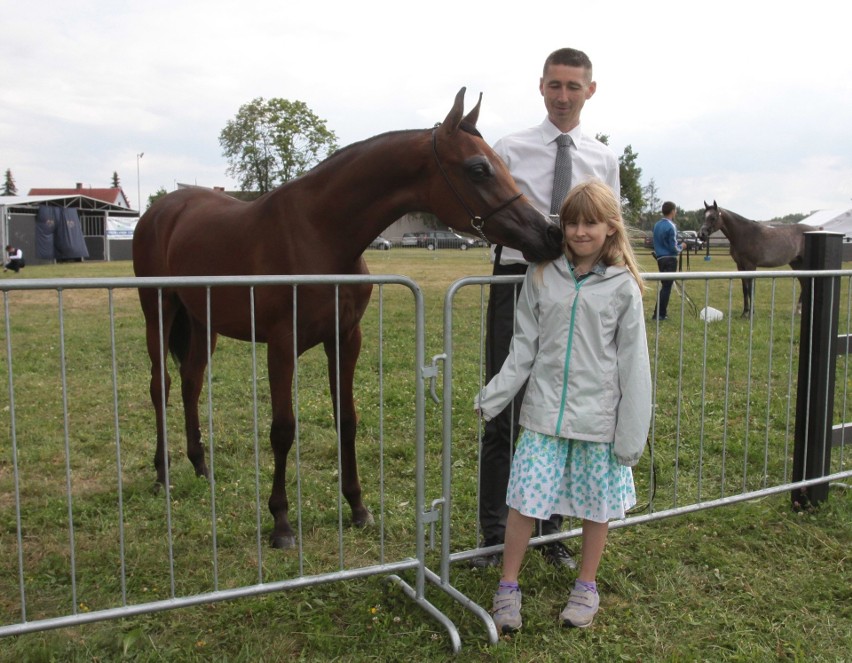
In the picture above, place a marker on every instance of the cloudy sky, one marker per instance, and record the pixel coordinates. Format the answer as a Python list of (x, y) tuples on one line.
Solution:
[(721, 101)]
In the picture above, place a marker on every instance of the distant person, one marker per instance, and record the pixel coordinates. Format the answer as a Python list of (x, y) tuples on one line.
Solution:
[(14, 259), (580, 342), (666, 251), (566, 84)]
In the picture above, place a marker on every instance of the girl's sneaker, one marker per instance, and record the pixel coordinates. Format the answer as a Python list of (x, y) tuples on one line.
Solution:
[(506, 610), (581, 609)]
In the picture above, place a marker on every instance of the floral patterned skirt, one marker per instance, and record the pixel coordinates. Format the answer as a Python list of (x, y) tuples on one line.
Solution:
[(569, 477)]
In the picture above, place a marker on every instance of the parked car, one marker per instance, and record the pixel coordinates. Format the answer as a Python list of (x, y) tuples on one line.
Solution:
[(693, 241), (445, 239), (381, 243), (410, 239)]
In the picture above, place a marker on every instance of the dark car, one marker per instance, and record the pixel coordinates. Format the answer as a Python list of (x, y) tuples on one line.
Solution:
[(381, 243), (445, 239)]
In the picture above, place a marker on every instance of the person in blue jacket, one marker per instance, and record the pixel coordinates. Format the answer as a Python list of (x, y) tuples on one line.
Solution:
[(666, 251), (580, 345)]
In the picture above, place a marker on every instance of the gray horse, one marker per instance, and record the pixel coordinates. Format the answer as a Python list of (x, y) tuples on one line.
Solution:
[(755, 244)]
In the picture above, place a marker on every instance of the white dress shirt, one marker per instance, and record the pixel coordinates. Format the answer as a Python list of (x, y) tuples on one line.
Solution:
[(530, 155)]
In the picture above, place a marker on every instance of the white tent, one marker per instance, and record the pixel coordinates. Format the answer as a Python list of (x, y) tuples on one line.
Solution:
[(832, 220)]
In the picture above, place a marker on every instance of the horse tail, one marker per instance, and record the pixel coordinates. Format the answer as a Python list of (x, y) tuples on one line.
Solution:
[(180, 335)]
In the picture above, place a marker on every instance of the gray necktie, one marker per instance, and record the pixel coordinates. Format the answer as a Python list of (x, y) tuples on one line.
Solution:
[(561, 174)]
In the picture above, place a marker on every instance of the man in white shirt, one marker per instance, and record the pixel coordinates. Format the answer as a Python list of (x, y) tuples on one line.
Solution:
[(566, 84), (15, 259)]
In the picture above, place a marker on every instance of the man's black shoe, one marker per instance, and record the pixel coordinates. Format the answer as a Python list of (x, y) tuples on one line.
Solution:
[(486, 561), (558, 555)]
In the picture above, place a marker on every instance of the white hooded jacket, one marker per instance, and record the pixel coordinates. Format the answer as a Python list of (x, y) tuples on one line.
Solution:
[(582, 346)]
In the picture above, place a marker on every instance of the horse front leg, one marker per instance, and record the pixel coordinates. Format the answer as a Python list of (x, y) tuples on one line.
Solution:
[(342, 387), (280, 364), (748, 294)]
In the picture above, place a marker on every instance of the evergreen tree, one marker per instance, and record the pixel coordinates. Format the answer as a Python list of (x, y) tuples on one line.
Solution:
[(9, 186), (115, 181)]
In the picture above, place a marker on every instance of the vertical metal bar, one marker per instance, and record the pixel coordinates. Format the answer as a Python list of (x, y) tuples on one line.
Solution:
[(791, 352), (703, 417), (483, 303), (845, 401), (167, 488), (727, 388), (118, 463), (381, 425), (749, 359), (210, 440), (14, 434), (769, 385), (256, 440), (338, 429), (67, 438), (297, 430)]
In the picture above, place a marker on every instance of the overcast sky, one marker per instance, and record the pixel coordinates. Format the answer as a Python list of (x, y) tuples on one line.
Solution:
[(721, 101)]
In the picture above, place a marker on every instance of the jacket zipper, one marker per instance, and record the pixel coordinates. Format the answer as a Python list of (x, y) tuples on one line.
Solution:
[(577, 285)]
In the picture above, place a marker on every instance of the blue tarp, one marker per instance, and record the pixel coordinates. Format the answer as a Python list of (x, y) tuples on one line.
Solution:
[(59, 235)]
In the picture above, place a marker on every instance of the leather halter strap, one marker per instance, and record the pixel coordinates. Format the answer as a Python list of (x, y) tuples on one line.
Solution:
[(477, 222)]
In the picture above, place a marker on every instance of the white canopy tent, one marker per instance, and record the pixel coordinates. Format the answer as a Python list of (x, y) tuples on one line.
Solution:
[(832, 220)]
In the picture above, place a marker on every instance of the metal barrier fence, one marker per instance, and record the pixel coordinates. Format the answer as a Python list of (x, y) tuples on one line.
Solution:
[(724, 401), (86, 539), (85, 536)]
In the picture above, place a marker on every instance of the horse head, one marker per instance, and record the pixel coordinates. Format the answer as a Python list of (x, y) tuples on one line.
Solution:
[(712, 221), (481, 197)]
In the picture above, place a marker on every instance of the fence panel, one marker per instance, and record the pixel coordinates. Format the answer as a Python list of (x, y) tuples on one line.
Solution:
[(724, 400), (85, 535)]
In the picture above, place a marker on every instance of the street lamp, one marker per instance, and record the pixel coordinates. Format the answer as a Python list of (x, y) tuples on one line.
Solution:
[(138, 187)]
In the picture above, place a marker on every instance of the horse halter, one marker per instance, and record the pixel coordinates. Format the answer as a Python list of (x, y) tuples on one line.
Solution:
[(477, 222)]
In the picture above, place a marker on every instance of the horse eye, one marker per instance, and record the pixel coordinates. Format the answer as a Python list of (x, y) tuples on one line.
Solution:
[(479, 170)]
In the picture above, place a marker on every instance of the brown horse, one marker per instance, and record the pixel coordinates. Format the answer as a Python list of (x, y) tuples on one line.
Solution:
[(320, 223), (755, 244)]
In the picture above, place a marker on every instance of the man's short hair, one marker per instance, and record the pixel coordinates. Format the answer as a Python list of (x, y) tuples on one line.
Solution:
[(570, 57), (668, 207)]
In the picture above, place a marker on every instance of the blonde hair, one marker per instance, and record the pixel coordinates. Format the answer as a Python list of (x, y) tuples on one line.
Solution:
[(593, 199)]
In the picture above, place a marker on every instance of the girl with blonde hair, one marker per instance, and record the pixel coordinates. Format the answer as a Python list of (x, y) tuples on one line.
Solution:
[(580, 344)]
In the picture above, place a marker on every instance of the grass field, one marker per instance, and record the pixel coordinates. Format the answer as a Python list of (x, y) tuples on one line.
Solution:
[(750, 582)]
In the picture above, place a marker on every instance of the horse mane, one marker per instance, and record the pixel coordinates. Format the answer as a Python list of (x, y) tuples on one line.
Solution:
[(739, 217)]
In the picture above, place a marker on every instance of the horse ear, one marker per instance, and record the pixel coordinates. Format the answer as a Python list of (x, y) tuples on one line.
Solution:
[(454, 117), (706, 206), (473, 116), (715, 206)]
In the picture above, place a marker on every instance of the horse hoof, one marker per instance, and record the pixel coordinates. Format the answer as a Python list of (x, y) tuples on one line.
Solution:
[(284, 542), (202, 472), (364, 520)]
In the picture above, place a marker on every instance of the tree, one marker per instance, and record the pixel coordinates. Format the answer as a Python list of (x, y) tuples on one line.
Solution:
[(9, 186), (115, 181), (154, 197), (632, 195), (629, 175), (271, 142), (652, 205)]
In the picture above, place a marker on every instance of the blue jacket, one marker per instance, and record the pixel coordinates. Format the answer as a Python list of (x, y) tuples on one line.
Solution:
[(665, 238)]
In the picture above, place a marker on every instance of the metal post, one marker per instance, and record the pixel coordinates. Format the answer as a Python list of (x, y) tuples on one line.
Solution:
[(817, 365)]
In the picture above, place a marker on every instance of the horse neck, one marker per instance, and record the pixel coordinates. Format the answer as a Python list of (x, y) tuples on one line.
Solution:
[(736, 227), (363, 188)]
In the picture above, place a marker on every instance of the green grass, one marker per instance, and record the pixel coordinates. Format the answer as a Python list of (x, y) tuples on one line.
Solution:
[(748, 582)]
